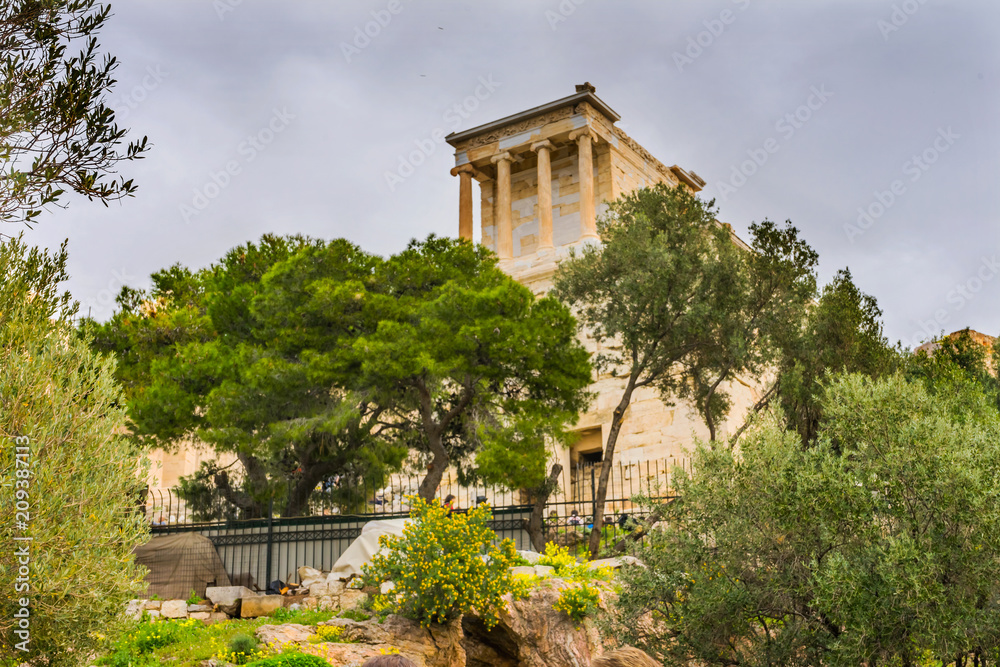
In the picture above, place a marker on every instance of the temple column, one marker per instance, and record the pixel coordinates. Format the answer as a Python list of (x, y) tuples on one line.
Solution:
[(584, 138), (544, 150), (464, 173), (505, 239)]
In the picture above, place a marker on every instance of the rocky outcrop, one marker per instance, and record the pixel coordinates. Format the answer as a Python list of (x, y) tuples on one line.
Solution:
[(531, 633), (436, 646)]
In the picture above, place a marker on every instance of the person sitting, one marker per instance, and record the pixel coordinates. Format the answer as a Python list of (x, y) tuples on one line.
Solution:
[(574, 519), (449, 502)]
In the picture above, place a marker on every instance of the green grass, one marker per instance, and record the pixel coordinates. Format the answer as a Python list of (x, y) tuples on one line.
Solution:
[(186, 643)]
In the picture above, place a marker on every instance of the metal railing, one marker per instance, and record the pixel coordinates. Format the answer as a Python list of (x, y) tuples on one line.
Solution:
[(258, 550)]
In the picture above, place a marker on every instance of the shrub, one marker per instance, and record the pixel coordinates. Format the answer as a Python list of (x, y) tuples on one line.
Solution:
[(568, 567), (241, 650), (327, 633), (877, 544), (355, 615), (443, 566), (290, 659), (194, 598), (578, 602), (59, 400)]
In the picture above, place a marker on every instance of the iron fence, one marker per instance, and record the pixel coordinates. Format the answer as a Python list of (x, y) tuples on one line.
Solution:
[(257, 551)]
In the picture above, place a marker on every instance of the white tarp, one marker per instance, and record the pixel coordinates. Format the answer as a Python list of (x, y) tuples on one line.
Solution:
[(364, 548)]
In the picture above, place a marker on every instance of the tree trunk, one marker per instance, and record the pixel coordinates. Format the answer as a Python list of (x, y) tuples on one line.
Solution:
[(536, 522), (301, 491), (435, 472), (609, 452)]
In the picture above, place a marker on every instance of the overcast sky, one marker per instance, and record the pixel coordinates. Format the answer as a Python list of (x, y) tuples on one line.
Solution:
[(813, 111)]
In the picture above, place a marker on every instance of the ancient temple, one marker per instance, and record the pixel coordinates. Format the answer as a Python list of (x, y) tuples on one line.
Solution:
[(544, 176)]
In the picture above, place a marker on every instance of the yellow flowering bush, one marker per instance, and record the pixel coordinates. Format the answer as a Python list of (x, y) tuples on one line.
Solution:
[(327, 633), (443, 565), (578, 602)]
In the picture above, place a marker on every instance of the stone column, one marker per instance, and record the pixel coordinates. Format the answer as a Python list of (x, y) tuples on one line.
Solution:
[(464, 173), (584, 139), (544, 150), (505, 239)]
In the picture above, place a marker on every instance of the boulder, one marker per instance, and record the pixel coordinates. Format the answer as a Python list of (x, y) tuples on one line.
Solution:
[(530, 556), (134, 609), (197, 608), (174, 609), (227, 599), (350, 599), (309, 576), (200, 615), (261, 605), (526, 570), (625, 657), (614, 563), (436, 646), (387, 587), (531, 633), (278, 636), (544, 571), (150, 605), (153, 614), (319, 590)]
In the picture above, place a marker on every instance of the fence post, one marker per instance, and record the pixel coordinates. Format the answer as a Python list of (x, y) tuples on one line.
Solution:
[(270, 542), (593, 495)]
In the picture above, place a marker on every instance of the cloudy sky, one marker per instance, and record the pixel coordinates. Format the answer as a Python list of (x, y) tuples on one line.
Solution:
[(873, 125)]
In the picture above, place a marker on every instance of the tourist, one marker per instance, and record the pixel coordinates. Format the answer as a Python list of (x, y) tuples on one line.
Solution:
[(574, 519), (389, 661), (449, 502)]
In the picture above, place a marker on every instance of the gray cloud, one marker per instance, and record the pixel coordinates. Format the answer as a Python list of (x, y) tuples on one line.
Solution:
[(324, 173)]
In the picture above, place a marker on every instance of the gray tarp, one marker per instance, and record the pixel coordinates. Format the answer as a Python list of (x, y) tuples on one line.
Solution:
[(365, 547), (179, 564)]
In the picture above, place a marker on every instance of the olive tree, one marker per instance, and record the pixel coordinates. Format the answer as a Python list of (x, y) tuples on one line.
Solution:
[(69, 481)]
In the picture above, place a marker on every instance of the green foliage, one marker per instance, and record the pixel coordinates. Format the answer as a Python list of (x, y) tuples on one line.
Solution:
[(193, 598), (675, 304), (242, 649), (56, 133), (842, 333), (354, 615), (877, 545), (443, 565), (578, 602), (76, 476), (327, 633), (136, 647), (310, 358), (472, 366), (291, 659)]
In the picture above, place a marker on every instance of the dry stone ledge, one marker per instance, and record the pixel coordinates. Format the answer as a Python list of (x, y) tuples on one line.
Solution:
[(134, 608), (151, 605), (280, 635), (309, 576), (526, 570), (544, 571), (227, 599), (174, 609), (437, 646), (261, 605)]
